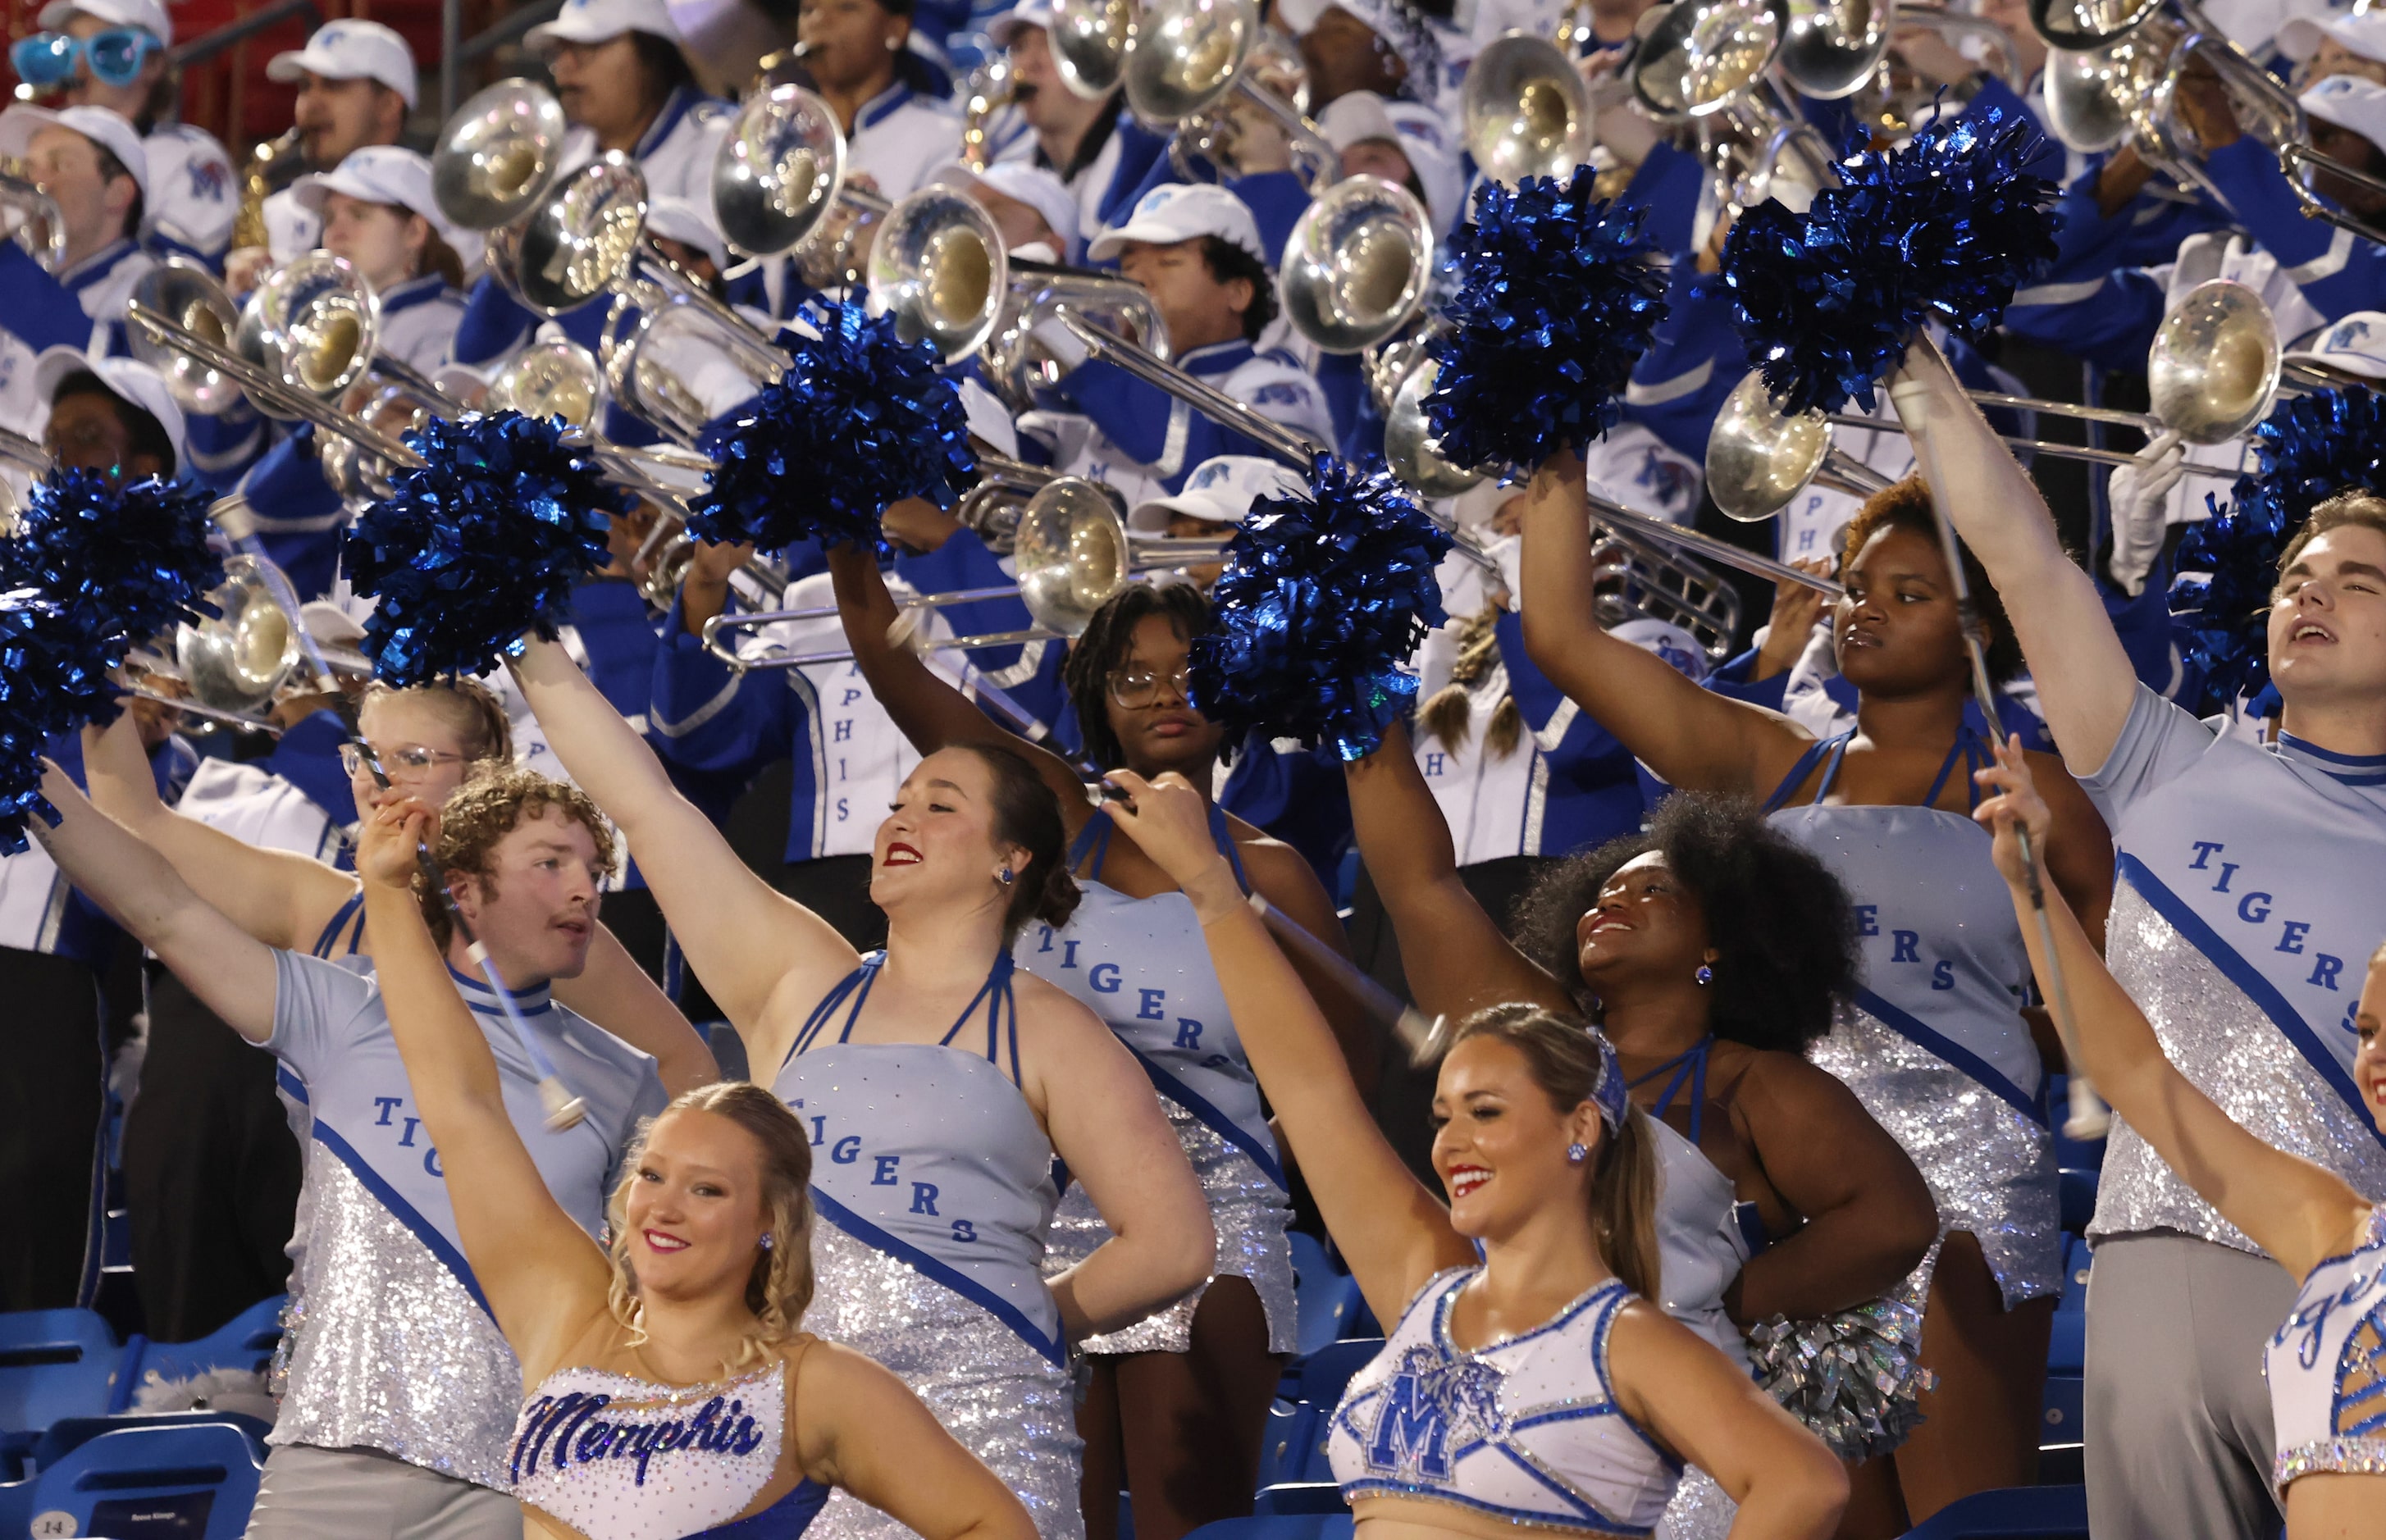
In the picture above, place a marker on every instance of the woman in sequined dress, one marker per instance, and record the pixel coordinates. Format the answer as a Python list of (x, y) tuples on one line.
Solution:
[(2327, 1364), (938, 1088), (670, 1392), (1712, 951), (1522, 1338), (1935, 1043), (1178, 1403)]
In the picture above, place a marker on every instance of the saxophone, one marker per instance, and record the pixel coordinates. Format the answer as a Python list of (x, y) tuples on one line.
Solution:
[(256, 182), (990, 88)]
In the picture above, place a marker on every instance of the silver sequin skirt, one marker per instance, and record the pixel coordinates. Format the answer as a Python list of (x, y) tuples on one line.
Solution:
[(1699, 1509), (1990, 1169), (1007, 1404), (1249, 1213)]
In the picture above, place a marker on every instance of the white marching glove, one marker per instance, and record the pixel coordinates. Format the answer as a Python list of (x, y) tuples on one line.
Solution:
[(2136, 494), (1065, 347)]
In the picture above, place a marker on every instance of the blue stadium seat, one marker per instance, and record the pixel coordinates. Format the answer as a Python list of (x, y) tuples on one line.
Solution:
[(1300, 1496), (244, 1342), (1306, 1526), (16, 1508), (2011, 1513), (2076, 1258), (1319, 1378), (1326, 1295), (70, 1434), (2077, 1187), (2065, 1398), (198, 1480), (1293, 1449), (54, 1364), (2066, 1350)]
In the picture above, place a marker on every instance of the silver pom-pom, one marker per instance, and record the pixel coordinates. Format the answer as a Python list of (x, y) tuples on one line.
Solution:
[(1856, 1378)]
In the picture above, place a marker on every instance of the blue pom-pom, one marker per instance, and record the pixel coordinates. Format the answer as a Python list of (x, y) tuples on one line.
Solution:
[(860, 420), (484, 544), (1324, 597), (2309, 450), (53, 677), (1942, 229), (117, 560), (1557, 299)]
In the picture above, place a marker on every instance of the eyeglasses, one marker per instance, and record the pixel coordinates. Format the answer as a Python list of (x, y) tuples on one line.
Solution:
[(47, 59), (413, 760), (1135, 688)]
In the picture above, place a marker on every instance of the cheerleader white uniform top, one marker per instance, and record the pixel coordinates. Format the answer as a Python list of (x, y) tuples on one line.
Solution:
[(933, 1183), (1142, 965), (2326, 1366), (618, 1458), (2248, 882), (1525, 1428), (1704, 1233), (1934, 1043)]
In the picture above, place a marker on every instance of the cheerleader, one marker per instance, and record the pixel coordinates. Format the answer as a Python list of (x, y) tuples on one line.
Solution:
[(1524, 1379), (938, 1088), (1934, 1043), (2329, 1430), (677, 1342), (1179, 1400), (2250, 876)]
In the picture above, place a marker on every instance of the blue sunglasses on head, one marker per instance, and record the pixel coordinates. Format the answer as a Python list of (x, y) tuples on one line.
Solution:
[(47, 59)]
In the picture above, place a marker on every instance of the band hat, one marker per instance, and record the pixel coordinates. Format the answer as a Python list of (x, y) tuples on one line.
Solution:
[(102, 127), (351, 50), (601, 21), (2349, 102), (1416, 129), (1006, 28), (2361, 32), (1355, 117), (1220, 491), (1179, 212), (148, 15), (2355, 344), (1402, 31), (1037, 188), (129, 379), (388, 174)]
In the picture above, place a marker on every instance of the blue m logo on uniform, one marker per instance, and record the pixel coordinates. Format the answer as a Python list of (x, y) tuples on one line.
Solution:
[(1428, 1408)]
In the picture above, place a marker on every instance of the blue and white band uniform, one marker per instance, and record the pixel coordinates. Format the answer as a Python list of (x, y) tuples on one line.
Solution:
[(2249, 883), (900, 137), (2327, 1366), (391, 1345), (1527, 1429), (1934, 1043), (1142, 965), (191, 197), (932, 1183), (675, 153)]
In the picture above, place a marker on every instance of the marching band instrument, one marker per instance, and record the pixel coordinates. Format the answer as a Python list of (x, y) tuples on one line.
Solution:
[(1183, 58), (33, 221), (256, 185), (195, 298), (496, 158), (1707, 63), (990, 87), (1090, 43), (1356, 265), (1274, 73), (2304, 165), (1525, 111), (24, 454), (1017, 365)]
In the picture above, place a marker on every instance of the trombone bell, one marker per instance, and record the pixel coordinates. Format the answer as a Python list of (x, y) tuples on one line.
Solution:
[(1525, 111), (1409, 445), (579, 243), (1759, 458), (938, 267), (1090, 42), (1183, 56), (313, 324), (192, 298), (777, 171), (1071, 551), (1706, 56), (1833, 46), (2213, 372), (236, 662), (1356, 265), (496, 157)]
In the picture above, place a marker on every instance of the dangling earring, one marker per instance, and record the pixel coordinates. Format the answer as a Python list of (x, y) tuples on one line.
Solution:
[(1004, 875), (1577, 1154), (894, 44), (766, 1242), (1705, 975)]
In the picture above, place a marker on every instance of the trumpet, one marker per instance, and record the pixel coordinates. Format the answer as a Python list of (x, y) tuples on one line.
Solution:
[(1215, 133), (1183, 58), (1707, 63), (32, 220)]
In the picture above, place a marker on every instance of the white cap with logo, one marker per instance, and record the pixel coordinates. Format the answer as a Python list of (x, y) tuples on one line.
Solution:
[(148, 15), (1033, 185), (2355, 344), (386, 173), (1006, 28), (2349, 102), (108, 130), (600, 20), (1220, 491), (128, 380), (351, 50), (1179, 212), (2359, 33)]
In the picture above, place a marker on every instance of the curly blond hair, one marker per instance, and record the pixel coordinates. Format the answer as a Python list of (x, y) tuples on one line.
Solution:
[(779, 1286), (488, 807)]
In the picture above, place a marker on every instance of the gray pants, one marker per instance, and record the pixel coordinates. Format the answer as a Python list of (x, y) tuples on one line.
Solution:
[(2178, 1429), (365, 1495)]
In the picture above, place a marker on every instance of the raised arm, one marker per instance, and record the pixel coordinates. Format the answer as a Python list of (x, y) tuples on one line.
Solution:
[(2298, 1212), (1456, 958), (746, 941), (279, 896), (1690, 737), (616, 994), (228, 969), (1107, 1128), (1394, 1233), (2085, 681), (542, 1275)]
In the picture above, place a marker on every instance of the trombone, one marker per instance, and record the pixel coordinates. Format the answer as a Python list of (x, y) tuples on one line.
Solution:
[(1090, 43), (33, 221), (1525, 111), (1707, 63)]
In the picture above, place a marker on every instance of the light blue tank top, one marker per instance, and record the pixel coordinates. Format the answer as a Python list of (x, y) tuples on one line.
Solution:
[(1944, 966), (927, 1151), (1142, 965)]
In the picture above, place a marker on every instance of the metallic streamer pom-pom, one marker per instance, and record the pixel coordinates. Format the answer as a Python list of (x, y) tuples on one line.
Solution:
[(1855, 1378)]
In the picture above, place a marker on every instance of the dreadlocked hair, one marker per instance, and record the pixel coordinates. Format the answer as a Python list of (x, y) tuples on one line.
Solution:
[(1103, 650), (1448, 714)]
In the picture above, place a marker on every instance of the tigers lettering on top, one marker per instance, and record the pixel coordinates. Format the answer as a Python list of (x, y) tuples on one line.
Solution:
[(886, 1170), (1051, 953), (2255, 907)]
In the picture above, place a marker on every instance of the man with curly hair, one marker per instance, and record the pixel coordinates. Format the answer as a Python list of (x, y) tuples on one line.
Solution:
[(400, 1407)]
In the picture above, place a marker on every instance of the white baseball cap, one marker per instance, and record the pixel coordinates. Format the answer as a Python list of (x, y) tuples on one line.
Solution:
[(128, 380), (2362, 33), (1669, 642), (1179, 212), (351, 50), (2349, 102), (148, 15), (1037, 188), (1402, 30), (1220, 491), (1003, 29), (2355, 344), (98, 124), (598, 20), (386, 173), (1421, 137), (689, 224)]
